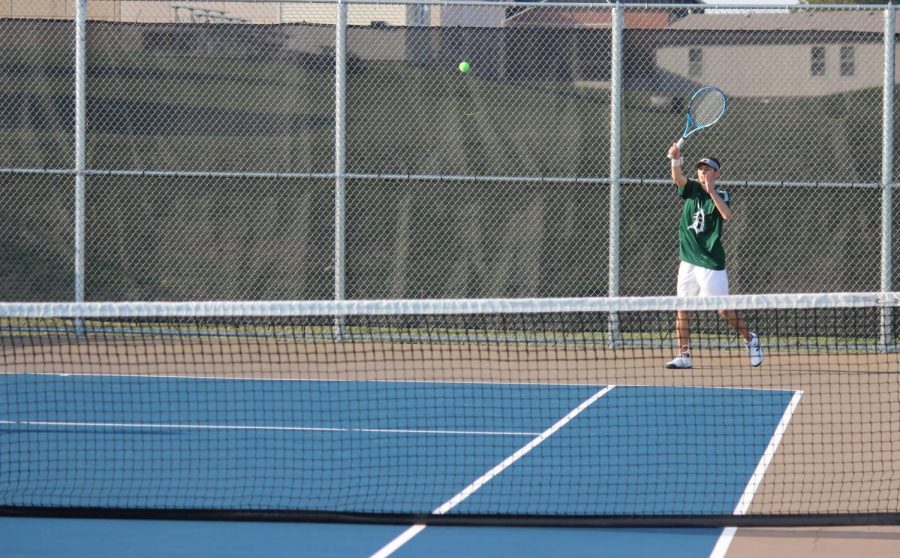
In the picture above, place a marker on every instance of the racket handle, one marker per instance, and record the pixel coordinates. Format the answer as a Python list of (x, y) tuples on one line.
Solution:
[(679, 143)]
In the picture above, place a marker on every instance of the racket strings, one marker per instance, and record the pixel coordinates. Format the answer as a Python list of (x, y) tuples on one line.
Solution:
[(707, 108)]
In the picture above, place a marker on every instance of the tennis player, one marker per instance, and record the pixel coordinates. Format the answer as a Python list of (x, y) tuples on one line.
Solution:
[(702, 268)]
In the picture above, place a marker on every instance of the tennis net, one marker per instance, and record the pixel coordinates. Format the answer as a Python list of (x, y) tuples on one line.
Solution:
[(550, 411)]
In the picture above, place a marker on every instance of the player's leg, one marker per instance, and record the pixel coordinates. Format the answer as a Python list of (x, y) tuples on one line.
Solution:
[(715, 283), (687, 286), (737, 322), (683, 330)]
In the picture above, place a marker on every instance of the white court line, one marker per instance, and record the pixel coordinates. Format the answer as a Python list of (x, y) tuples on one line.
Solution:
[(743, 505), (125, 425), (407, 535)]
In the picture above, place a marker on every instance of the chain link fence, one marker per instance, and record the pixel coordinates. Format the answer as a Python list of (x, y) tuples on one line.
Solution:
[(212, 129)]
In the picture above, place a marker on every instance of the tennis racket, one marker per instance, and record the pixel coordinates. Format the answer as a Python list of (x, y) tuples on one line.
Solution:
[(707, 107)]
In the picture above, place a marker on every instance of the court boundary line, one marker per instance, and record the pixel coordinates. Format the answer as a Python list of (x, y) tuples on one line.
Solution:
[(444, 508), (743, 506), (376, 381)]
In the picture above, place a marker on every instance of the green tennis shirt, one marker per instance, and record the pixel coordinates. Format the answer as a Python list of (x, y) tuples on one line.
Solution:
[(700, 227)]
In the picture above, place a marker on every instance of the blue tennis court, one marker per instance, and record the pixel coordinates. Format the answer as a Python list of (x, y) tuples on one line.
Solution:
[(108, 538), (381, 447)]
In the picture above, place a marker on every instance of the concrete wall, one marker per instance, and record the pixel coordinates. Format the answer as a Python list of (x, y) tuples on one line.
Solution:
[(58, 9)]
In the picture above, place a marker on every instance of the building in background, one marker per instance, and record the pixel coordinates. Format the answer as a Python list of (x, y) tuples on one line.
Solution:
[(109, 10), (666, 50), (814, 53), (272, 12)]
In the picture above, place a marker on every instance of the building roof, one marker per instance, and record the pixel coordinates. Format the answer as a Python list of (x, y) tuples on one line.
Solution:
[(640, 2), (801, 20), (589, 18)]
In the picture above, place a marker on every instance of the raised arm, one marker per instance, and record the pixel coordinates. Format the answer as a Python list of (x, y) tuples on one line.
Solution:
[(723, 208), (677, 176)]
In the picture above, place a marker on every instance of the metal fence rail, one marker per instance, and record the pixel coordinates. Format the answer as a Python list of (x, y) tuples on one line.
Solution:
[(322, 150)]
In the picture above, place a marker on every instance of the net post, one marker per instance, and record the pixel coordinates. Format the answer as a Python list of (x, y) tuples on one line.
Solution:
[(615, 165), (340, 114), (80, 143), (887, 173)]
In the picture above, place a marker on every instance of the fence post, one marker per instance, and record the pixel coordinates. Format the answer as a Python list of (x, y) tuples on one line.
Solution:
[(80, 132), (615, 164), (887, 172), (340, 121)]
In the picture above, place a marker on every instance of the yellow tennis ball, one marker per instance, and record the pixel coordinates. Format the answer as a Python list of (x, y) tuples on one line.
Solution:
[(464, 67)]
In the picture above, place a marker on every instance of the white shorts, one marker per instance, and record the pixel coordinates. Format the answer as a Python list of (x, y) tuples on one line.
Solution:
[(699, 281)]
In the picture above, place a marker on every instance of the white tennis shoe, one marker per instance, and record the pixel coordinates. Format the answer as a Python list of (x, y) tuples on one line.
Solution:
[(755, 350), (681, 361)]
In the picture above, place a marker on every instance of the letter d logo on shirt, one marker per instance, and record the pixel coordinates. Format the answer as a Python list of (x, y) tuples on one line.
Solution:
[(699, 224)]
